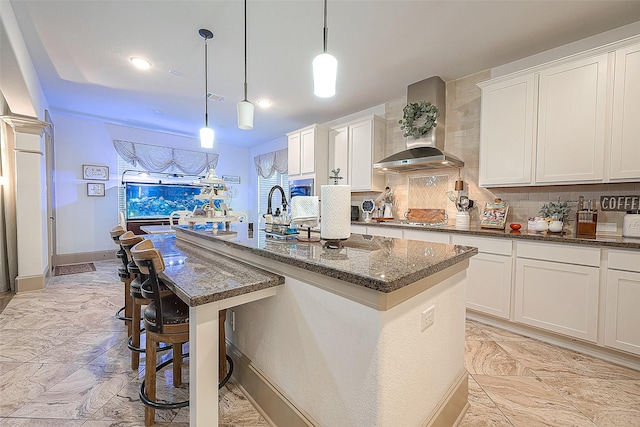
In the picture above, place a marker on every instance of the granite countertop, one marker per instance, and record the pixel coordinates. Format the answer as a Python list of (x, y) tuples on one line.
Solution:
[(199, 276), (379, 263), (599, 240)]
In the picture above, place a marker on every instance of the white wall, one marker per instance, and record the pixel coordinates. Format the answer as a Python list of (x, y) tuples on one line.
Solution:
[(83, 222)]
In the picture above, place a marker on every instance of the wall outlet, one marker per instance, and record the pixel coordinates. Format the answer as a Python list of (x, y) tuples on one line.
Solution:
[(428, 317)]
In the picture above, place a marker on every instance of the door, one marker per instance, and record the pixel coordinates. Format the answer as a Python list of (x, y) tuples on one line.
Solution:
[(51, 188), (571, 122), (625, 145)]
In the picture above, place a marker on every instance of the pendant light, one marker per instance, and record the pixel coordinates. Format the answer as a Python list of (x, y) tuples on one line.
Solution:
[(245, 108), (325, 67), (206, 133)]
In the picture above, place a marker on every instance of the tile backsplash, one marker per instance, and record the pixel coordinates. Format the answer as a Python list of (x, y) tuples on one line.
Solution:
[(427, 189)]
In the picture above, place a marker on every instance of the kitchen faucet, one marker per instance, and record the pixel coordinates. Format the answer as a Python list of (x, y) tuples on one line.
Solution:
[(284, 199)]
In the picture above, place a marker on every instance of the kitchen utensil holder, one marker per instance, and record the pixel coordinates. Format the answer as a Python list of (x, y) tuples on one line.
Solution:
[(586, 222)]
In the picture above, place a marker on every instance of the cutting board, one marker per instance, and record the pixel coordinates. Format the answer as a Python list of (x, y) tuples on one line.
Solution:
[(426, 215)]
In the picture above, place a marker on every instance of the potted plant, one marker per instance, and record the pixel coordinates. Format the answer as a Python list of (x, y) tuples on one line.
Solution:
[(556, 214)]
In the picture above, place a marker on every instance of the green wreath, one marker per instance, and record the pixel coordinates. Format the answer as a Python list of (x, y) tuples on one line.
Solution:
[(413, 112)]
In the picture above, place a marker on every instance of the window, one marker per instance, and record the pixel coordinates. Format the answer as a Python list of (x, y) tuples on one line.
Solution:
[(265, 185)]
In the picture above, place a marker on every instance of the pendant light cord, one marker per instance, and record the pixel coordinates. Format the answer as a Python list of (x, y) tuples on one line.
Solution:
[(325, 30), (206, 85), (245, 50)]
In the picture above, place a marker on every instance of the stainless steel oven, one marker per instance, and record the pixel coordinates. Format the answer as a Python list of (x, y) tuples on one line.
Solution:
[(302, 187)]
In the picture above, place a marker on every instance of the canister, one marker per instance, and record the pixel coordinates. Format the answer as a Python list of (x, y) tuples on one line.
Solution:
[(631, 224)]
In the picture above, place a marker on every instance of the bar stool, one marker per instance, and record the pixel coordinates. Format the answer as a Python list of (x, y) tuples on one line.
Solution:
[(128, 240), (125, 278), (166, 319)]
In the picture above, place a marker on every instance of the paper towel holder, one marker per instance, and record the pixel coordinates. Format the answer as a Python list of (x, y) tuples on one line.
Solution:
[(333, 243)]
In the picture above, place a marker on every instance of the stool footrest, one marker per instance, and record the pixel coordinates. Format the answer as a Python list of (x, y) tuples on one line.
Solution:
[(141, 350), (119, 315), (161, 405)]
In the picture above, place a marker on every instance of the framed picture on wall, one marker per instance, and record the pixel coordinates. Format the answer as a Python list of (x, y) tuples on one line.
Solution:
[(95, 189), (95, 172)]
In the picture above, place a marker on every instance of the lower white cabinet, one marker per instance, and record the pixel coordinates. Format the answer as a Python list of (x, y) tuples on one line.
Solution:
[(358, 229), (426, 236), (622, 313), (385, 232), (558, 297), (488, 275)]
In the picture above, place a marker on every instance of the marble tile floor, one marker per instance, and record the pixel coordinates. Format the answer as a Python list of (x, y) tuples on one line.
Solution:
[(64, 363)]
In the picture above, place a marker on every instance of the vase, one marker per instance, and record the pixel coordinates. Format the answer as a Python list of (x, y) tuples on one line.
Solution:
[(556, 226), (541, 225)]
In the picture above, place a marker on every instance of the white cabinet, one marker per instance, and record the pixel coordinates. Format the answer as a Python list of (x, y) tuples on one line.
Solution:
[(354, 148), (308, 153), (625, 139), (358, 229), (507, 131), (385, 232), (622, 315), (556, 288), (426, 236), (488, 275), (571, 122)]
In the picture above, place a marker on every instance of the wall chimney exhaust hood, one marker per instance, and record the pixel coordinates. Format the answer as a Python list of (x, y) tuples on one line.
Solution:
[(427, 152)]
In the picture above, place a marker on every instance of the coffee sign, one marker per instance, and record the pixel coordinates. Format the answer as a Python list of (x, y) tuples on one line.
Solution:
[(620, 203)]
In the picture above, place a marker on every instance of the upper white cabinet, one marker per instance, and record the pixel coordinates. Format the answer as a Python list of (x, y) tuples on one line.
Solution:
[(507, 132), (625, 139), (354, 148), (308, 152), (571, 122)]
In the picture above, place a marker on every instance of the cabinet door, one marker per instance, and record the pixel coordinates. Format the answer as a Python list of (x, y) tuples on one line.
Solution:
[(307, 148), (557, 297), (507, 132), (294, 154), (339, 153), (625, 142), (489, 284), (360, 141), (571, 120), (622, 315)]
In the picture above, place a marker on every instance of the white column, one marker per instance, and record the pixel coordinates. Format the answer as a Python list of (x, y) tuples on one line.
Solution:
[(31, 201)]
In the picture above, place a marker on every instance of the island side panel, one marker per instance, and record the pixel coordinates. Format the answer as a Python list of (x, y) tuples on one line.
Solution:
[(343, 363)]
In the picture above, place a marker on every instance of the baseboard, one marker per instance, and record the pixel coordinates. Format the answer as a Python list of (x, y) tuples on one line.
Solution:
[(77, 258), (30, 283), (278, 410), (453, 405), (265, 396)]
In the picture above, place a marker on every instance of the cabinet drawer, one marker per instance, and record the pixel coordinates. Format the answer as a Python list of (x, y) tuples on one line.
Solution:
[(358, 229), (624, 260), (559, 253), (426, 236), (385, 232), (484, 245)]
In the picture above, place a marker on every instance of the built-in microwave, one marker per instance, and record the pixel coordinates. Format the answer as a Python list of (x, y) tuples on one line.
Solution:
[(301, 187)]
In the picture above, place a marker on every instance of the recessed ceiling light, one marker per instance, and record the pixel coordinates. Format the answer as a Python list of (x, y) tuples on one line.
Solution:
[(264, 103), (140, 63)]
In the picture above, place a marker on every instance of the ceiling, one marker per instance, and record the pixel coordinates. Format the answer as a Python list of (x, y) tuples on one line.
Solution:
[(81, 48)]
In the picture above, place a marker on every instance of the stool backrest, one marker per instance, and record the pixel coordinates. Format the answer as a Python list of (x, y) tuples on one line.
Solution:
[(150, 262), (128, 240), (115, 233)]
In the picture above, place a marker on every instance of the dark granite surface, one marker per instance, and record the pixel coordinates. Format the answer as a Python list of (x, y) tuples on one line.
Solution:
[(599, 240), (382, 264), (199, 276)]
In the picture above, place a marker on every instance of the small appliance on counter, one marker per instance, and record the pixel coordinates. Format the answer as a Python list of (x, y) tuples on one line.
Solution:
[(631, 224), (355, 213), (586, 218)]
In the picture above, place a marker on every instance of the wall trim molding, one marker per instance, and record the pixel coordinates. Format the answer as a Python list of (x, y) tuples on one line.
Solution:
[(80, 257), (30, 283), (454, 404)]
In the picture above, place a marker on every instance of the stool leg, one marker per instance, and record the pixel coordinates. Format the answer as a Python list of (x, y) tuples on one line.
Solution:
[(150, 379), (177, 364), (135, 335), (128, 305), (222, 349)]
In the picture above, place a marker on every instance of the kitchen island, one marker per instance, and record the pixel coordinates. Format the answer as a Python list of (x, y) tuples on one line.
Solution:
[(371, 334)]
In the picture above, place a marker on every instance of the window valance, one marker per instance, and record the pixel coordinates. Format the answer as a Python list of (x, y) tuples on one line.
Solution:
[(154, 158), (267, 164)]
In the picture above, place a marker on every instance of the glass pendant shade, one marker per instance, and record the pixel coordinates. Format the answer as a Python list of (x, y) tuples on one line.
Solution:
[(325, 68), (206, 137), (245, 115)]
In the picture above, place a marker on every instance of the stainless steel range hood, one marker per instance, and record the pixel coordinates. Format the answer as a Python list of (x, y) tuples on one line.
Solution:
[(427, 152)]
